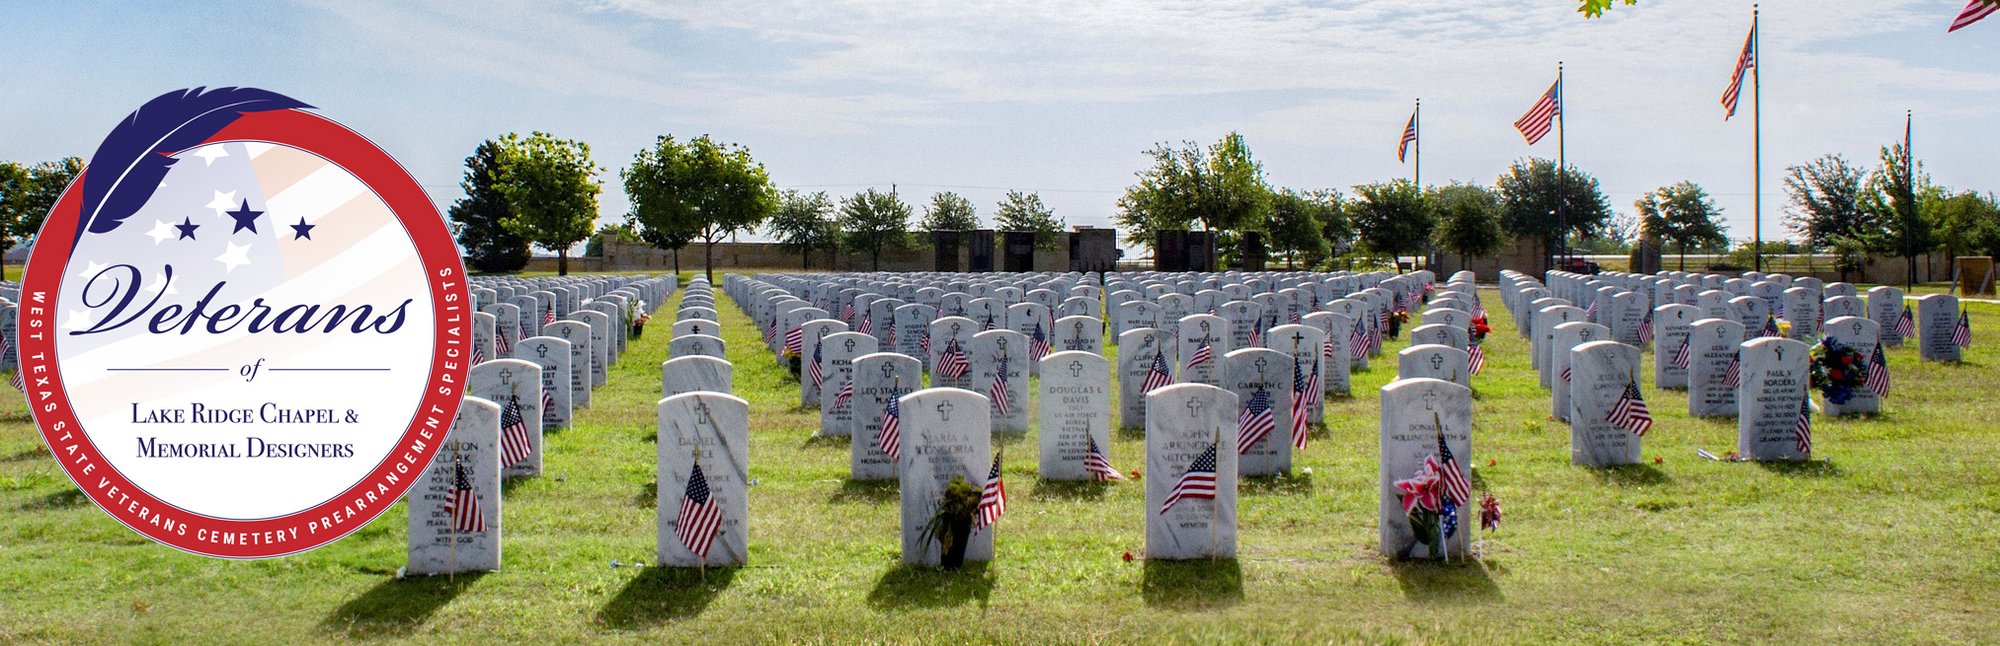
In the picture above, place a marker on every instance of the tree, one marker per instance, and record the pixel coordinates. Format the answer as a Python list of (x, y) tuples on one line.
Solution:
[(1538, 202), (1967, 223), (1336, 225), (475, 218), (1221, 187), (706, 189), (1468, 221), (1025, 212), (667, 239), (804, 222), (872, 220), (1891, 197), (1681, 214), (1825, 197), (948, 212), (625, 231), (551, 187), (1298, 221), (1595, 8), (1394, 217), (27, 194)]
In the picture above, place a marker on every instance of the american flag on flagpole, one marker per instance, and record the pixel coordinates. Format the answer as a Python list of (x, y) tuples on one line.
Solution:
[(998, 391), (1565, 374), (989, 323), (1906, 325), (1255, 421), (1878, 373), (816, 373), (1961, 334), (1733, 375), (1590, 313), (924, 342), (889, 340), (1158, 376), (548, 316), (1745, 62), (1803, 430), (701, 515), (461, 503), (1409, 137), (501, 346), (1197, 483), (847, 312), (14, 379), (1097, 464), (1630, 413), (514, 444), (1770, 327), (1300, 391), (891, 439), (1684, 354), (993, 498), (1973, 11), (1541, 116), (1478, 353)]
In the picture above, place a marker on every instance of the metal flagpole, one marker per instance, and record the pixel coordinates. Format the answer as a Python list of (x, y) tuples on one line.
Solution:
[(1757, 138), (1562, 166), (1418, 121), (1910, 183)]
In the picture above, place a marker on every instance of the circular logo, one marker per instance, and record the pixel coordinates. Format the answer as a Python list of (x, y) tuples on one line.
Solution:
[(244, 328)]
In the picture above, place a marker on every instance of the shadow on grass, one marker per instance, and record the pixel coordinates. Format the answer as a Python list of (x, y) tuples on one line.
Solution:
[(1429, 581), (1631, 475), (824, 441), (1292, 485), (65, 499), (394, 608), (1803, 468), (648, 496), (871, 491), (1069, 490), (907, 586), (35, 452), (508, 485), (1192, 585), (661, 594)]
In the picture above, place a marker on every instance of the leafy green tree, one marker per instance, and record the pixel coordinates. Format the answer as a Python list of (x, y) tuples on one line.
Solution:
[(873, 220), (1221, 188), (804, 222), (1298, 223), (475, 218), (1468, 220), (1540, 203), (1825, 197), (1967, 223), (551, 188), (1595, 8), (1394, 218), (707, 189), (625, 231), (1336, 225), (27, 194), (948, 211), (669, 239), (1025, 212), (1684, 215), (1892, 197)]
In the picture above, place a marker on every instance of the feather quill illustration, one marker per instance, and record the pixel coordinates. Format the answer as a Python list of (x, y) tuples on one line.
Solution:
[(133, 159)]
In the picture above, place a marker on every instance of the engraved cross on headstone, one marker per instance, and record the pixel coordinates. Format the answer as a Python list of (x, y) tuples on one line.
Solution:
[(1194, 407), (1430, 399), (1437, 362), (506, 376), (542, 350), (1075, 368), (1261, 362), (944, 411)]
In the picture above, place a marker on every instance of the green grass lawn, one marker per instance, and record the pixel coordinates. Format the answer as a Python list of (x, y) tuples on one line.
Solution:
[(1888, 539)]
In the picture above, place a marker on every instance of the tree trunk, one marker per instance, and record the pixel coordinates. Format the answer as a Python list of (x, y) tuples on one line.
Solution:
[(708, 260), (677, 262), (875, 258), (562, 261), (1684, 258)]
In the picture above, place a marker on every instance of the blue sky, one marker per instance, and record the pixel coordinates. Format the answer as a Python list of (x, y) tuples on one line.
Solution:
[(1059, 97)]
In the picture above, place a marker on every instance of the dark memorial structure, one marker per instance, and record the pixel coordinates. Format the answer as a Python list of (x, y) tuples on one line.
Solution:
[(979, 250), (1019, 250), (946, 245)]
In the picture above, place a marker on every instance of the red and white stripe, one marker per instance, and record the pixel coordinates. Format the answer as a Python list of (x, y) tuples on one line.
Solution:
[(1973, 12), (1541, 117)]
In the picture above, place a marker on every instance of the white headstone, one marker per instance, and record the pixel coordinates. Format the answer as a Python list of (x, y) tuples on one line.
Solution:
[(712, 431), (1189, 424)]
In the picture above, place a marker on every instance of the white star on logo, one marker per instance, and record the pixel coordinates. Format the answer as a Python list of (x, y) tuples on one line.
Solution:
[(77, 320), (161, 232), (235, 256), (210, 153), (223, 202), (159, 282), (90, 271)]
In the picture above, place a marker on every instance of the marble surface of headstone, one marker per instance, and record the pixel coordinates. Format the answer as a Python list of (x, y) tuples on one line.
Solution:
[(1441, 334), (1184, 421), (990, 350), (1937, 316), (713, 431), (1885, 306), (1434, 361), (1713, 344), (553, 356), (1078, 334), (1670, 329), (577, 333), (696, 373), (1774, 386), (1599, 373), (600, 342), (878, 377), (1198, 330), (947, 433), (1246, 372), (1304, 342), (1136, 350), (1567, 337), (1075, 405), (434, 544), (1862, 335), (836, 418), (946, 332), (1411, 412), (513, 383)]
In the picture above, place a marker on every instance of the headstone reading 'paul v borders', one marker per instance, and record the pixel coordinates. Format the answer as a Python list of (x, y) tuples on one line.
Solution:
[(455, 508), (1773, 394), (1190, 473), (704, 472), (1075, 413), (947, 433), (1411, 410)]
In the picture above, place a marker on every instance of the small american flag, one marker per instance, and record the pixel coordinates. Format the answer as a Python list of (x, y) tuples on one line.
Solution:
[(514, 444), (1590, 314), (1684, 354), (548, 399), (1906, 325), (889, 340), (988, 325), (1961, 334), (813, 370), (1157, 376), (1770, 327), (1202, 354), (891, 439), (846, 394), (1198, 482), (1255, 421), (1299, 394), (1457, 489), (462, 503), (992, 499), (1409, 137), (548, 316), (998, 391), (1478, 353), (1257, 331), (700, 515), (953, 364), (867, 325), (1038, 343), (771, 333), (795, 341), (501, 346), (14, 379), (1878, 373), (1745, 62), (1097, 463), (478, 354), (1803, 430), (1646, 329), (1541, 116), (1565, 373), (847, 312), (1974, 11), (1315, 388), (924, 342), (1733, 375), (1630, 412), (1357, 342)]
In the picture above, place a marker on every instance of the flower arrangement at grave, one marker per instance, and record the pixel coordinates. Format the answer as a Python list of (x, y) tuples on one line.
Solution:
[(639, 324), (1396, 321), (1478, 329), (1489, 512), (951, 522), (1837, 370), (1424, 502)]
